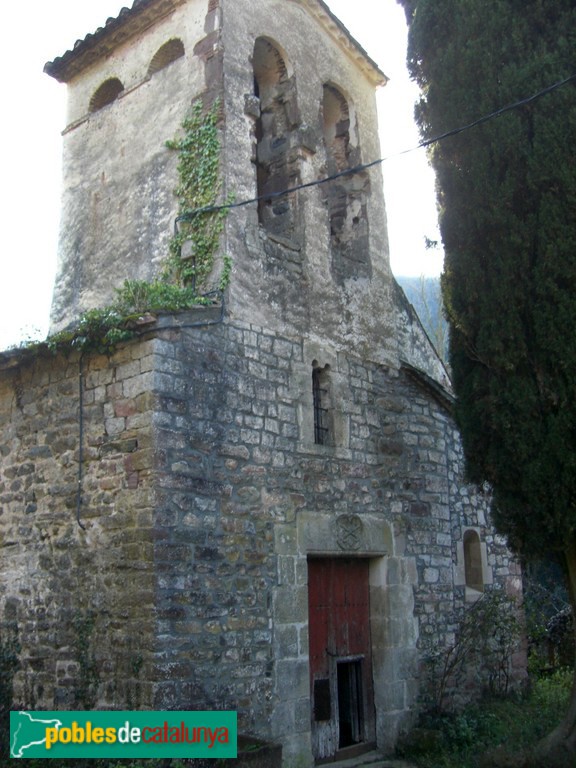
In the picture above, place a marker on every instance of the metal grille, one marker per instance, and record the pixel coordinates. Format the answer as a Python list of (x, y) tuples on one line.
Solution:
[(319, 394)]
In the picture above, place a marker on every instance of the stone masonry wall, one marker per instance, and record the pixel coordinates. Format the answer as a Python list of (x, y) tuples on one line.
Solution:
[(118, 205), (434, 508), (203, 496), (79, 597), (245, 498)]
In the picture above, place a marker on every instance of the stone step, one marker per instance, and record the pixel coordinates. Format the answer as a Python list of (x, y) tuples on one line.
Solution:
[(369, 760)]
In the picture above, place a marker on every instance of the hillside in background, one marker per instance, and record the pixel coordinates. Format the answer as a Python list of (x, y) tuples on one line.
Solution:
[(425, 296)]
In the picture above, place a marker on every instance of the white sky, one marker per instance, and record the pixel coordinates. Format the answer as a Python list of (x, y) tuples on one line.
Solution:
[(37, 31)]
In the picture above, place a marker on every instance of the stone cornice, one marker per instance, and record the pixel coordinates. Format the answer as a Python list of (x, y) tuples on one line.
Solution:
[(319, 10), (437, 390), (129, 22), (144, 13)]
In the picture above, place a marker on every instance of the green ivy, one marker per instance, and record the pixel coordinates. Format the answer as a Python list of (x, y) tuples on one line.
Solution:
[(98, 330), (137, 297), (194, 245), (184, 275), (226, 273)]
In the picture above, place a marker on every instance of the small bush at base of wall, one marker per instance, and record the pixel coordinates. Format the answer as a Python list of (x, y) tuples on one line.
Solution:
[(518, 723)]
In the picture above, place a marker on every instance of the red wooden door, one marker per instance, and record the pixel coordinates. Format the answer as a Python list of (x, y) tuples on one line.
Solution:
[(340, 654)]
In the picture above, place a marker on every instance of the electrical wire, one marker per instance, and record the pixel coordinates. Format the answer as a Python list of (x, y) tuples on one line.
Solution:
[(492, 115), (365, 166), (227, 206)]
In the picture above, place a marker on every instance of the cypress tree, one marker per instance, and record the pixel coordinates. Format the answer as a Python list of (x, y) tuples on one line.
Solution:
[(507, 201)]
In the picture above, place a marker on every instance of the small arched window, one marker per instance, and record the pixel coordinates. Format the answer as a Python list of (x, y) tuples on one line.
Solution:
[(166, 54), (473, 561), (105, 94)]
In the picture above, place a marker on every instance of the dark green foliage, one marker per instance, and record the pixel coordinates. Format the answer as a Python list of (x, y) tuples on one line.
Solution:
[(507, 192), (487, 633), (138, 296), (9, 664), (546, 600), (467, 740), (98, 330)]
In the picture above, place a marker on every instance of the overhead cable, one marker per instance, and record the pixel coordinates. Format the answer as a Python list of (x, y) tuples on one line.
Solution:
[(365, 166)]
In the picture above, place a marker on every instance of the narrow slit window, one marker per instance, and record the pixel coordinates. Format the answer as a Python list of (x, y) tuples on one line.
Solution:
[(321, 401), (346, 198), (473, 561)]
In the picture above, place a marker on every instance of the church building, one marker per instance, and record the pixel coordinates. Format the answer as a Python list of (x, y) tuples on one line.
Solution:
[(256, 504)]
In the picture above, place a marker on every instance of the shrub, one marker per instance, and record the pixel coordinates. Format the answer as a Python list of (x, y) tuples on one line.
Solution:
[(515, 724)]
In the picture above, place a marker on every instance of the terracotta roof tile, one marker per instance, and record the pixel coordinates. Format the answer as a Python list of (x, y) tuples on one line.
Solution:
[(64, 67), (116, 30)]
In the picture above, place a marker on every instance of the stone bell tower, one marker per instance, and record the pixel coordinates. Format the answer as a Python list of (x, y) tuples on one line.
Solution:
[(259, 505), (314, 261)]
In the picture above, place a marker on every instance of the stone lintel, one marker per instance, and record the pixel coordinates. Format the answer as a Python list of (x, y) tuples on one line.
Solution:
[(357, 535)]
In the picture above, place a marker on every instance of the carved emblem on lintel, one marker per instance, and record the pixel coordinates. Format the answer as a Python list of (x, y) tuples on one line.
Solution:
[(349, 531)]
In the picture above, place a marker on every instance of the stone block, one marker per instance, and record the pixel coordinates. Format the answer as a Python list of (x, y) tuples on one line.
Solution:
[(431, 575), (389, 725), (293, 679), (138, 385), (397, 632), (285, 641), (286, 571), (285, 539), (290, 605), (391, 696)]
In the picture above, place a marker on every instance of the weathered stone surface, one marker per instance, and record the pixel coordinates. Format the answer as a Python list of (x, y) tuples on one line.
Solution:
[(157, 554), (211, 542), (101, 532)]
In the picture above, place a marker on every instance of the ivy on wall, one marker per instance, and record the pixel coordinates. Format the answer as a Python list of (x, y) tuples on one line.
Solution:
[(194, 245), (192, 249)]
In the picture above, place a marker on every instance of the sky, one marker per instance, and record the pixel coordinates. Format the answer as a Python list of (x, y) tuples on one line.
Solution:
[(37, 31)]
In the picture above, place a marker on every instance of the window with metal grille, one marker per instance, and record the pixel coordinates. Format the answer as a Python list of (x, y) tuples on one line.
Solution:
[(321, 401)]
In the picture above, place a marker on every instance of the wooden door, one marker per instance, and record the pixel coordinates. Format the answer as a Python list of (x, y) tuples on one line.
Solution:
[(340, 655)]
